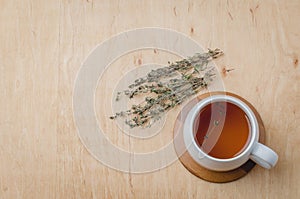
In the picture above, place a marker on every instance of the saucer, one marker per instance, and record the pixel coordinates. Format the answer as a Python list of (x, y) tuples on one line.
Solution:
[(191, 165)]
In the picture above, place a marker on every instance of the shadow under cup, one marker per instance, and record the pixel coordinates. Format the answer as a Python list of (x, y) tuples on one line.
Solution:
[(222, 129)]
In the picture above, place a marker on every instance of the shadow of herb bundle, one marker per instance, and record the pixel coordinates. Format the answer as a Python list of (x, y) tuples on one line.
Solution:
[(165, 88)]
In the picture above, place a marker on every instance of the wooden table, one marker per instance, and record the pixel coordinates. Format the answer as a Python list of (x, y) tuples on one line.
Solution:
[(42, 46)]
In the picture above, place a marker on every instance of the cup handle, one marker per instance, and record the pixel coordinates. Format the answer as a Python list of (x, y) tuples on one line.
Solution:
[(264, 156)]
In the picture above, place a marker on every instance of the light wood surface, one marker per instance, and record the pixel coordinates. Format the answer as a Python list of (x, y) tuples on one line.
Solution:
[(42, 46)]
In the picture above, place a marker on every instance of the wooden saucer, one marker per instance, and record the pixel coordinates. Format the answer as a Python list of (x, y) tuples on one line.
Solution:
[(192, 165)]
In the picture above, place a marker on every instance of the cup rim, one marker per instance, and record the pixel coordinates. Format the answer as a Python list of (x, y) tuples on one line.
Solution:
[(254, 130)]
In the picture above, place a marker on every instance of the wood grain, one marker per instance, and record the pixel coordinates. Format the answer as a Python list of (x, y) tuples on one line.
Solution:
[(42, 46)]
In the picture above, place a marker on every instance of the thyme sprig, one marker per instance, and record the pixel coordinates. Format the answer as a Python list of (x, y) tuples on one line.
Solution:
[(167, 87)]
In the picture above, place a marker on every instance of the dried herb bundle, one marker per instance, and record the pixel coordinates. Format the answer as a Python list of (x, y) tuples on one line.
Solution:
[(167, 87)]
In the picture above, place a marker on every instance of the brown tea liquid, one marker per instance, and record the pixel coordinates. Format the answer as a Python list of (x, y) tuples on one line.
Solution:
[(222, 130)]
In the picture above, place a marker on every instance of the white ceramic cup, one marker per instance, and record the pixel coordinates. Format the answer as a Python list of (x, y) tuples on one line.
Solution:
[(259, 153)]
